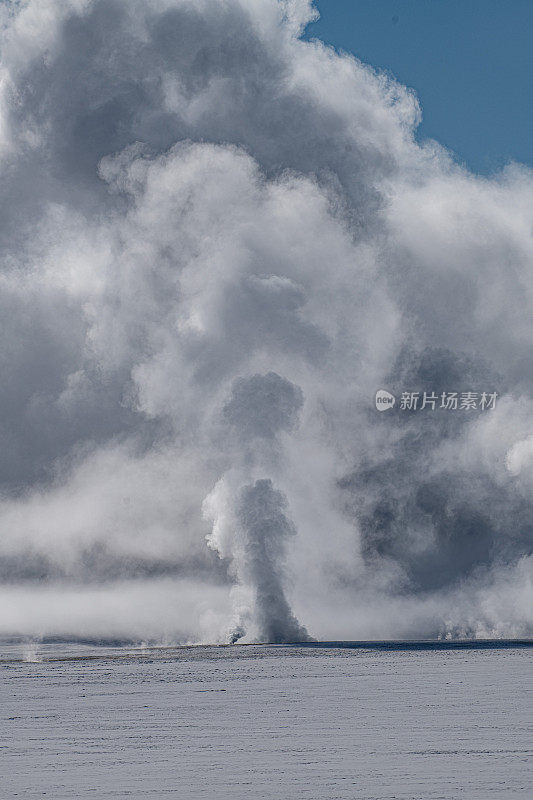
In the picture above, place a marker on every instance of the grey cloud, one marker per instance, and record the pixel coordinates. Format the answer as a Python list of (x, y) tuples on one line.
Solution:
[(263, 405)]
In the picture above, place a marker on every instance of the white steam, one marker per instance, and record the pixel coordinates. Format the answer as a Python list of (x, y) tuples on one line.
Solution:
[(217, 242)]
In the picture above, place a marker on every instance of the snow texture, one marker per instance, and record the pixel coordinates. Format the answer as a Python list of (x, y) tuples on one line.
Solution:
[(269, 723)]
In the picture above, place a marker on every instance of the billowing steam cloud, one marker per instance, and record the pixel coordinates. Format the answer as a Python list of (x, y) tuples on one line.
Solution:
[(254, 538), (218, 241), (252, 534)]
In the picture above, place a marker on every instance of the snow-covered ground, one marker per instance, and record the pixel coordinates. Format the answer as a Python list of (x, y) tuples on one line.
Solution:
[(265, 722)]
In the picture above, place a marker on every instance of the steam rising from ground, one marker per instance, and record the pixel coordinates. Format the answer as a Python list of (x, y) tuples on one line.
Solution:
[(218, 241), (254, 539)]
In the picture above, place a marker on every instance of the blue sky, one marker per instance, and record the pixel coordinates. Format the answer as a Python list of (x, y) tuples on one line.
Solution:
[(470, 62)]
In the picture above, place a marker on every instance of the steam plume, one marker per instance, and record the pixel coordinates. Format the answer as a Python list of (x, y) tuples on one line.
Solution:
[(217, 242), (258, 551)]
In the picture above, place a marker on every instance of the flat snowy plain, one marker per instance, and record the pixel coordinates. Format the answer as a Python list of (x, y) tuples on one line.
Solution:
[(320, 723)]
